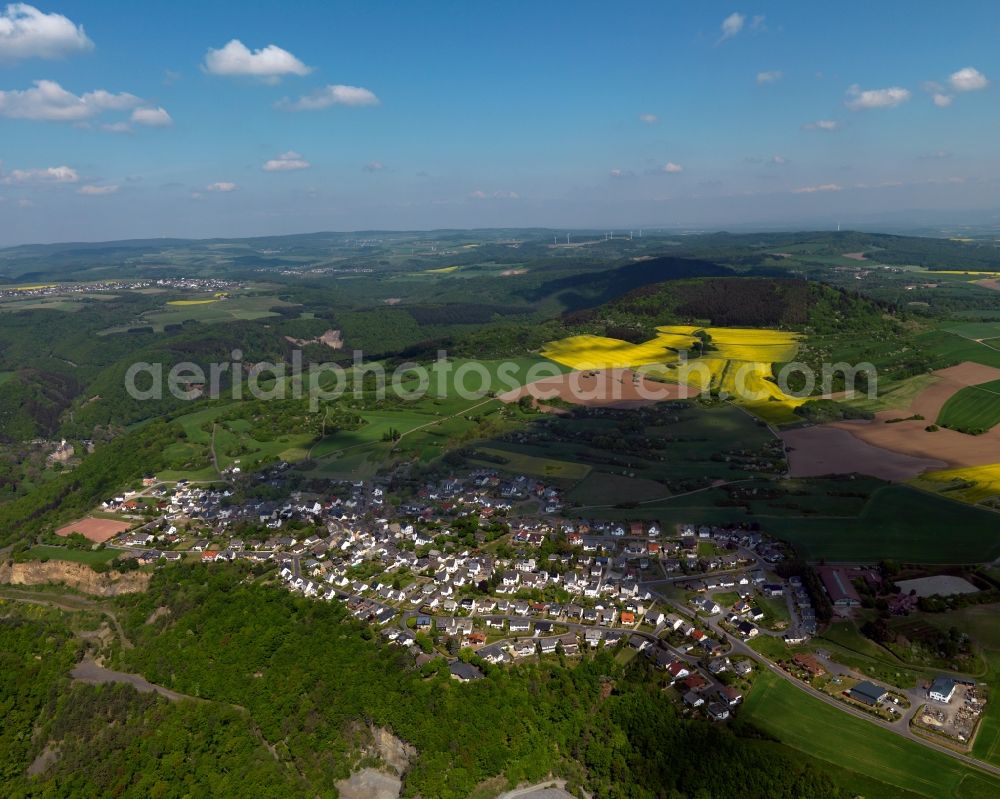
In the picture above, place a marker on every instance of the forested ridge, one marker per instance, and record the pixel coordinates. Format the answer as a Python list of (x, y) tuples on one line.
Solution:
[(112, 466), (306, 675)]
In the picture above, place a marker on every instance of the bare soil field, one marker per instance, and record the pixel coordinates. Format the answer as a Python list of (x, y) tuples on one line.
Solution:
[(822, 450), (96, 530), (929, 401), (988, 283), (607, 388), (855, 256), (911, 438)]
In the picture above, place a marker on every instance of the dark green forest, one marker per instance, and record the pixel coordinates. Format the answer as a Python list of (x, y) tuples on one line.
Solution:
[(281, 685)]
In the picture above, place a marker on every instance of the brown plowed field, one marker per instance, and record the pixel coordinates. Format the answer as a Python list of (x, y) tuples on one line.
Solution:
[(97, 530), (886, 441), (608, 388)]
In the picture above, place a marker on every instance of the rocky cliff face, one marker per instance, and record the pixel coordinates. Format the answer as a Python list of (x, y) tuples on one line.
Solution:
[(75, 575)]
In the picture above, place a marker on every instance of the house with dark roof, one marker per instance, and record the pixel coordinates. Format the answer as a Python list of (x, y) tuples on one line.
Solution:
[(942, 689), (464, 672), (869, 693)]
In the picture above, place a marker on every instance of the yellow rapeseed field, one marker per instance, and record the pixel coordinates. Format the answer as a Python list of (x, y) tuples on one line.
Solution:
[(984, 481), (738, 366), (599, 352)]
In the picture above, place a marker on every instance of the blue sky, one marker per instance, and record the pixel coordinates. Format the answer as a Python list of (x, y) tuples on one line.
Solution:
[(204, 119)]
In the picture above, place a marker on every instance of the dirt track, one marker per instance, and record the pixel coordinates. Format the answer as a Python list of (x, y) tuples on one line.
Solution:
[(89, 672), (608, 388)]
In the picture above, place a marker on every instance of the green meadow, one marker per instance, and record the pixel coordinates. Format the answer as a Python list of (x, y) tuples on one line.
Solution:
[(972, 409), (894, 763)]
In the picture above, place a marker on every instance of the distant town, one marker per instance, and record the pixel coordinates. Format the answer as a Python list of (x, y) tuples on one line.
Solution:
[(483, 569)]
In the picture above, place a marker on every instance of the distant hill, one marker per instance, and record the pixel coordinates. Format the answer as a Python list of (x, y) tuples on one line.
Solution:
[(733, 301), (595, 288)]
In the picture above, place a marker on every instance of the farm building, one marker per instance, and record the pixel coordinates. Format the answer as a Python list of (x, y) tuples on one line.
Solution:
[(838, 587), (869, 693), (942, 689)]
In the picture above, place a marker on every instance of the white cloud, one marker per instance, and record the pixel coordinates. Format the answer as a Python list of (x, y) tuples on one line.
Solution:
[(778, 160), (942, 100), (771, 76), (968, 79), (814, 189), (758, 24), (825, 125), (334, 94), (116, 127), (671, 168), (269, 63), (152, 117), (286, 162), (96, 191), (865, 99), (649, 119), (52, 174), (373, 166), (732, 25), (479, 194), (26, 32), (221, 187), (50, 101)]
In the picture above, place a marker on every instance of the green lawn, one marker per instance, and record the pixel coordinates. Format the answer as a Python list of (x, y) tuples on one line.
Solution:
[(726, 599), (947, 349), (528, 464), (848, 646), (898, 523), (220, 310), (973, 409), (987, 743), (853, 745), (974, 330), (88, 556), (897, 395), (775, 609), (604, 488)]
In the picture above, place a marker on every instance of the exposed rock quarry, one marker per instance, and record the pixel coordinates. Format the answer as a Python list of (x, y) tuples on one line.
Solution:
[(373, 783), (334, 339), (74, 575)]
